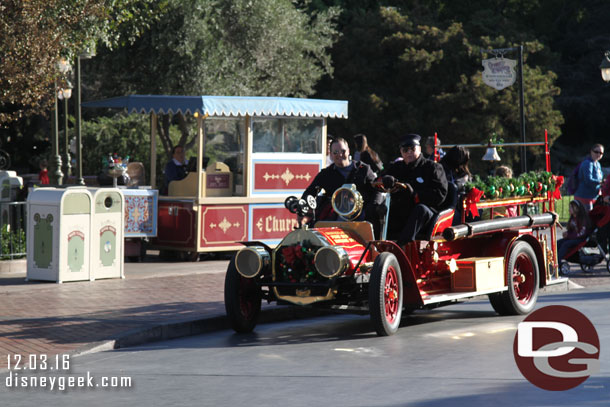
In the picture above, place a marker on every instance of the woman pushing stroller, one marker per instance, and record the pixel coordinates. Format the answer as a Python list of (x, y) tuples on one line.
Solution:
[(579, 228)]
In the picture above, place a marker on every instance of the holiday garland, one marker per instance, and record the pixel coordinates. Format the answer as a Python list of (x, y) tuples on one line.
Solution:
[(532, 184)]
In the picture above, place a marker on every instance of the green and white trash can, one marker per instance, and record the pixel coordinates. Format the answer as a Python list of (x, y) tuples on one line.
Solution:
[(59, 234), (10, 184), (107, 229)]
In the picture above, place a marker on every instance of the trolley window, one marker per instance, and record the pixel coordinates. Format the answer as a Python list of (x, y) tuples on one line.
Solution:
[(224, 143), (287, 135)]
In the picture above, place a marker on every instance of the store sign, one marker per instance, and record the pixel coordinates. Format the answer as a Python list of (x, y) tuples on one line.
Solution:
[(499, 73), (272, 223)]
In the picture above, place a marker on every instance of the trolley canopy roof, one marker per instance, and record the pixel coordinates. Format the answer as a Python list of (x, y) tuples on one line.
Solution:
[(226, 105)]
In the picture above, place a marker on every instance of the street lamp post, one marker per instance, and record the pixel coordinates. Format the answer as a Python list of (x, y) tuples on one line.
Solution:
[(65, 94), (56, 176), (79, 136), (605, 67)]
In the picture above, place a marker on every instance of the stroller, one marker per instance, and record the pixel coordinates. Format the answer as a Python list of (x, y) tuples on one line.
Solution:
[(589, 253)]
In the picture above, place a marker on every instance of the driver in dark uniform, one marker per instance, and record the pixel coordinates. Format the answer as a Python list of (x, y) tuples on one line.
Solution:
[(343, 171), (411, 209)]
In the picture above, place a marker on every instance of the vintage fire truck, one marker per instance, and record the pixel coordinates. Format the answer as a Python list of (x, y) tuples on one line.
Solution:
[(340, 265)]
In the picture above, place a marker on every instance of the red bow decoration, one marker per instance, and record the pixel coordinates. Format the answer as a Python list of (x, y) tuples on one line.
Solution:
[(289, 254), (473, 197), (558, 179)]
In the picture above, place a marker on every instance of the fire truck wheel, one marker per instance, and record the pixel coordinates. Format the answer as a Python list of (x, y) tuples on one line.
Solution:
[(498, 304), (523, 282), (385, 294), (242, 300)]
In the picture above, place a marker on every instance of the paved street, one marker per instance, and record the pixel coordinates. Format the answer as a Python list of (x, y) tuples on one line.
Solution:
[(156, 301), (458, 355)]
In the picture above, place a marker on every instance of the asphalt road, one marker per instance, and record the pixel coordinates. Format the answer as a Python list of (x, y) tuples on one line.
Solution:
[(458, 355)]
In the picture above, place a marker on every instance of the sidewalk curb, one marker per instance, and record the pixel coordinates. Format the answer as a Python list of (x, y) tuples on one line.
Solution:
[(13, 266), (181, 329)]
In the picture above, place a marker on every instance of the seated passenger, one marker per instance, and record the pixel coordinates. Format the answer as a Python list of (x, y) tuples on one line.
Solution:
[(343, 171), (455, 164), (175, 169), (412, 209), (508, 211), (429, 148), (579, 228)]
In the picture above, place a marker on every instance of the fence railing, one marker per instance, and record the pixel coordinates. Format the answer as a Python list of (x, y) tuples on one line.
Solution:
[(13, 226)]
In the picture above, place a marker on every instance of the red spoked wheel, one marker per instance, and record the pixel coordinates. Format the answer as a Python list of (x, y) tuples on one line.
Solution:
[(523, 282), (385, 294), (242, 300), (524, 278)]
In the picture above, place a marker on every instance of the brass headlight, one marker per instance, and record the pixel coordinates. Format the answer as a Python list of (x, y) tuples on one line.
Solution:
[(331, 261), (249, 261), (347, 202)]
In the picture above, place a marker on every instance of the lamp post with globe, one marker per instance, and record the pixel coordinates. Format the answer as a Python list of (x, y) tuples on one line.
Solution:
[(65, 94)]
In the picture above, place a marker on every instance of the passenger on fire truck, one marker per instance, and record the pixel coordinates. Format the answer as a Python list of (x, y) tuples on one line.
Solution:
[(414, 207), (343, 171)]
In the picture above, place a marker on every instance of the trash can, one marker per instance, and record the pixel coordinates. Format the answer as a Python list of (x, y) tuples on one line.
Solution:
[(107, 230), (59, 234), (10, 184)]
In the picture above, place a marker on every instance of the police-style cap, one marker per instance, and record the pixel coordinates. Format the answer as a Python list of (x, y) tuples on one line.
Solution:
[(410, 140)]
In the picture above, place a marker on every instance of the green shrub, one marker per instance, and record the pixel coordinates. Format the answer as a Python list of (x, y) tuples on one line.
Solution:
[(12, 243)]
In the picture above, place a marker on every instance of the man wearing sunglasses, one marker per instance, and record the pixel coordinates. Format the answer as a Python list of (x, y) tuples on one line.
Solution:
[(343, 171), (426, 189), (590, 177)]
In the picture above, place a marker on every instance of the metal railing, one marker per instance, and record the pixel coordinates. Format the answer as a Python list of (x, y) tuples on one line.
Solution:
[(13, 228)]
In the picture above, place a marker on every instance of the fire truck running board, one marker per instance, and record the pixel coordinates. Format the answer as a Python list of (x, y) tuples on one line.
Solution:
[(435, 298)]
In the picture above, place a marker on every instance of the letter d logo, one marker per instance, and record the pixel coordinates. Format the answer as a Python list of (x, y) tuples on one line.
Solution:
[(556, 348), (525, 341)]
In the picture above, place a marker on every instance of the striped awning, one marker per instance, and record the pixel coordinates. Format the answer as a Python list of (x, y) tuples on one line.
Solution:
[(226, 106)]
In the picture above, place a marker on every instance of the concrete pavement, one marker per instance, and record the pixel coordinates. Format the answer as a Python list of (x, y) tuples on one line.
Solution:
[(156, 301)]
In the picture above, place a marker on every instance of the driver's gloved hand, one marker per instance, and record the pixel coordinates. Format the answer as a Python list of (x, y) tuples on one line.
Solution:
[(388, 181), (409, 189)]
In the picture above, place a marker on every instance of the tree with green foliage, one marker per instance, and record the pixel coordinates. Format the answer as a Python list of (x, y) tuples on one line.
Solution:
[(220, 47), (36, 34), (406, 74)]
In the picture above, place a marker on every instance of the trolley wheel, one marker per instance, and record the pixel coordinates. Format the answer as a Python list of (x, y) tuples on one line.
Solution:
[(523, 282), (385, 294), (585, 267), (242, 300)]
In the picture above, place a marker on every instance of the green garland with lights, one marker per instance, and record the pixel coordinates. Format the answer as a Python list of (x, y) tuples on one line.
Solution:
[(533, 183)]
